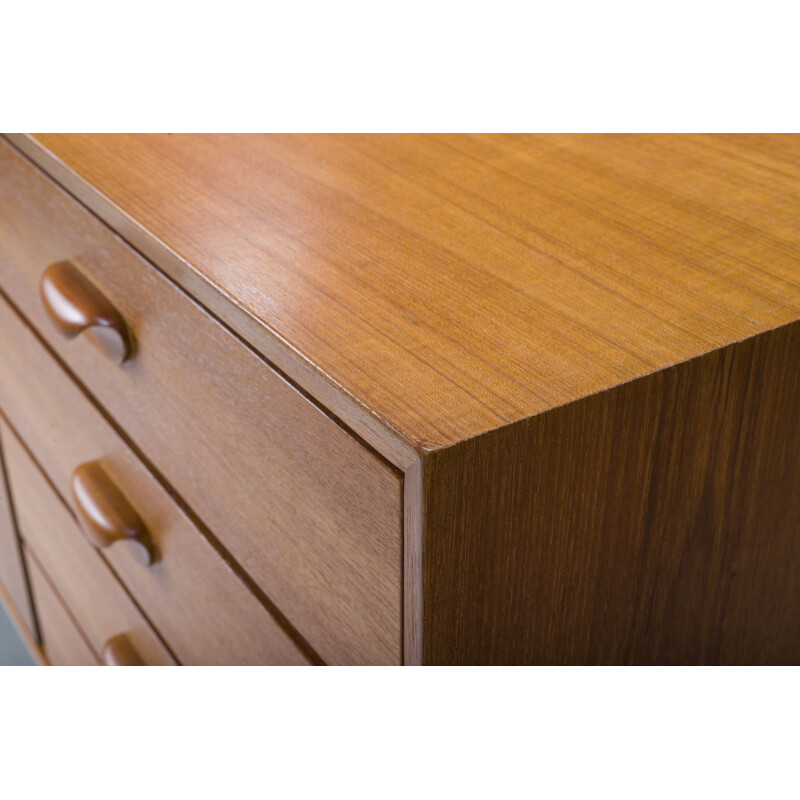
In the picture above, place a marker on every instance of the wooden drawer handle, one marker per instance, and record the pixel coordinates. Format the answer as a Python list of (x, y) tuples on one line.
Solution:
[(105, 513), (119, 652), (74, 304)]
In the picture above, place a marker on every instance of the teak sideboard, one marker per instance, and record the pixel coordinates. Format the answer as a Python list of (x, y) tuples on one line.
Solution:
[(373, 399)]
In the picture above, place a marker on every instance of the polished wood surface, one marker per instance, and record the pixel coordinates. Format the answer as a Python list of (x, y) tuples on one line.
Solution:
[(63, 643), (192, 595), (82, 578), (450, 285), (106, 515), (657, 523), (308, 512), (75, 305), (444, 399), (12, 568)]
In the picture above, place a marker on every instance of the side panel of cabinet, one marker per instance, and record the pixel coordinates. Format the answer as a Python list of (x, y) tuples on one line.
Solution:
[(655, 523)]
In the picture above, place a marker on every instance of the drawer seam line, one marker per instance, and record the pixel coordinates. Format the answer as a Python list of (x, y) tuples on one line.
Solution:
[(46, 477), (204, 530), (243, 342), (37, 632), (46, 575)]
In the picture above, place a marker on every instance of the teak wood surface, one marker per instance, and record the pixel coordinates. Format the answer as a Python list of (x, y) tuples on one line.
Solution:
[(309, 513), (63, 643), (658, 523), (89, 589), (12, 569), (191, 595), (453, 284), (581, 351)]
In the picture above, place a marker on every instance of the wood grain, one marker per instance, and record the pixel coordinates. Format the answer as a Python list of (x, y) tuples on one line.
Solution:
[(62, 641), (191, 595), (658, 522), (12, 569), (454, 284), (582, 351), (308, 512), (83, 580)]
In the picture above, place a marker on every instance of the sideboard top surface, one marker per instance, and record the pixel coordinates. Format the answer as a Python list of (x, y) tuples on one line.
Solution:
[(451, 284)]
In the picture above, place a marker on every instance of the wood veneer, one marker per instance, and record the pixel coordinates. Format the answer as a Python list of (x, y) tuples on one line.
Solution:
[(657, 523), (454, 284), (63, 642), (191, 594), (310, 513), (581, 351), (12, 569), (90, 590)]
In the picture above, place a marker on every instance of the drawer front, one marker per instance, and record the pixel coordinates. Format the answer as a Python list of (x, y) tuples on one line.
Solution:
[(12, 573), (90, 591), (63, 644), (312, 516), (193, 598)]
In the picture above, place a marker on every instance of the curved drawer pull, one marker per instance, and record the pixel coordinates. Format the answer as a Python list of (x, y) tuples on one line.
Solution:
[(74, 304), (119, 652), (105, 513)]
